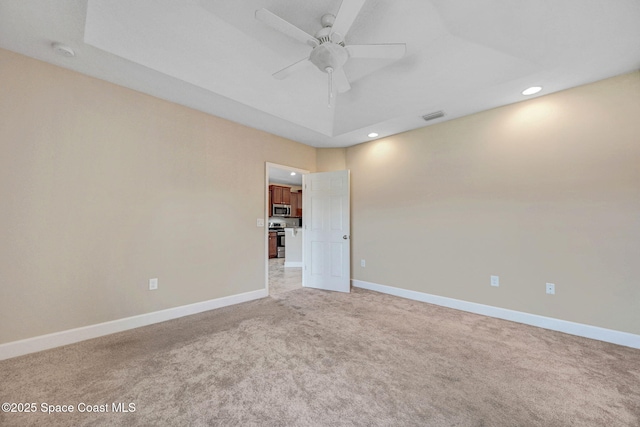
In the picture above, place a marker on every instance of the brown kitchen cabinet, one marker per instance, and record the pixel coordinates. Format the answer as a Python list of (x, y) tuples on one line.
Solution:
[(294, 204), (279, 195), (276, 194), (273, 244), (286, 195)]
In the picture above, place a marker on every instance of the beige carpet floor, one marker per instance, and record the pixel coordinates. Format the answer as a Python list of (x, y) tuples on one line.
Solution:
[(311, 358)]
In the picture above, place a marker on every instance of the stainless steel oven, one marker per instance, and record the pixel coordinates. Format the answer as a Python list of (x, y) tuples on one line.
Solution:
[(281, 244), (278, 226)]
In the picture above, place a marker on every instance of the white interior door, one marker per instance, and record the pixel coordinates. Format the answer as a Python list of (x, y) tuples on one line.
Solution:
[(326, 236)]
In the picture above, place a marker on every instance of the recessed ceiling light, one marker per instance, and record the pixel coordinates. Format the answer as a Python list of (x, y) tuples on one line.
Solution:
[(372, 135), (532, 90), (63, 50), (293, 173)]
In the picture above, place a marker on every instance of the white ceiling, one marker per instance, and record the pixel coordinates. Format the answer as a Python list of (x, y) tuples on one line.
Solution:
[(463, 56), (283, 176)]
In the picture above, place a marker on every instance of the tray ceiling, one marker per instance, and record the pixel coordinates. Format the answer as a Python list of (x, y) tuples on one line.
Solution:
[(214, 56)]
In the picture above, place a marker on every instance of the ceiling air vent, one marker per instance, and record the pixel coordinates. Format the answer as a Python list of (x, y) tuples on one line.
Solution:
[(433, 116)]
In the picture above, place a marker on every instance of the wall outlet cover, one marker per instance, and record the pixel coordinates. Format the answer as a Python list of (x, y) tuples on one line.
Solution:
[(363, 263), (551, 288), (153, 284), (495, 280)]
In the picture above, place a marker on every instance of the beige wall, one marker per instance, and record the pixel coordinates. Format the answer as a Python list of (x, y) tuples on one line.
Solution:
[(331, 159), (546, 190), (103, 188)]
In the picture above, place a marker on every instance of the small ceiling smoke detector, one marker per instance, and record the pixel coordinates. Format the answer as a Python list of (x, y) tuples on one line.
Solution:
[(433, 116), (532, 90), (372, 135), (63, 50)]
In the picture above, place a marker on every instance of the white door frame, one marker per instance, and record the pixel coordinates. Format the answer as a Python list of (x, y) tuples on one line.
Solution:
[(267, 214)]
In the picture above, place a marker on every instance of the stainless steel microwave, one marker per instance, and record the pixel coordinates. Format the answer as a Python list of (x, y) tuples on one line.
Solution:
[(281, 210)]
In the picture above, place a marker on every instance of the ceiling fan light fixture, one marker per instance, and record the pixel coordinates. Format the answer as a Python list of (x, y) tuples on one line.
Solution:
[(329, 55), (532, 90), (329, 52)]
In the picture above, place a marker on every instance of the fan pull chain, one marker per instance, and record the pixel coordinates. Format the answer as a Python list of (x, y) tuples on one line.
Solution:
[(330, 73)]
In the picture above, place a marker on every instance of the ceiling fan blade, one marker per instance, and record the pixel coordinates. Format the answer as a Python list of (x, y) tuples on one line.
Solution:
[(391, 51), (340, 81), (349, 9), (296, 66), (274, 21)]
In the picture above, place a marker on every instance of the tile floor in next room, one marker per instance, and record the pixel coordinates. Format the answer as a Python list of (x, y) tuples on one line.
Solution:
[(283, 279)]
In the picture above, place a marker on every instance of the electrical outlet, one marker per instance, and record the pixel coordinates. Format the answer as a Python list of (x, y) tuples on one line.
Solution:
[(551, 288), (363, 263), (495, 280), (153, 284), (260, 222)]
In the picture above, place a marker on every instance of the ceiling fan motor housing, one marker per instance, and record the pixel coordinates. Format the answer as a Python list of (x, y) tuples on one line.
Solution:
[(329, 56)]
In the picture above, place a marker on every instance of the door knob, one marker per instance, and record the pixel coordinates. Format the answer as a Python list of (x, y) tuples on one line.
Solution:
[(345, 237)]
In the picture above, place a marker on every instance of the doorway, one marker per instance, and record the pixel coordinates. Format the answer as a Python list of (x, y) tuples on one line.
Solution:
[(283, 274)]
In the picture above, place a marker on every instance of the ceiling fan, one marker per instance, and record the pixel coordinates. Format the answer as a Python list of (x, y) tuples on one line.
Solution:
[(329, 52)]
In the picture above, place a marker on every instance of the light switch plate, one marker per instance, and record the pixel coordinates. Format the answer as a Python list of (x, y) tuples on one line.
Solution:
[(495, 280), (551, 288), (153, 284), (260, 222)]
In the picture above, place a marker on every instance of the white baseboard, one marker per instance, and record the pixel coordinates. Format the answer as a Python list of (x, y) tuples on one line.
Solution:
[(579, 329), (292, 264), (57, 339)]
